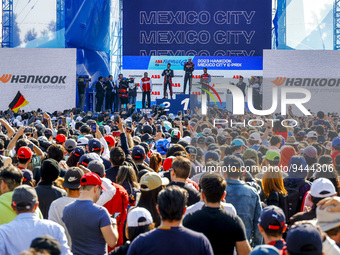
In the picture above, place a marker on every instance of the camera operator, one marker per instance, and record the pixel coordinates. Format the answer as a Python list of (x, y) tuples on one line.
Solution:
[(123, 91), (158, 111), (82, 84), (132, 93)]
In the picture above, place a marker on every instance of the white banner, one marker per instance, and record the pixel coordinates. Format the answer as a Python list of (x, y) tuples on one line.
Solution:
[(316, 71), (45, 77)]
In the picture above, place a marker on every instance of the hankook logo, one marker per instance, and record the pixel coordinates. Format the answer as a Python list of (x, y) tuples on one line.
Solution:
[(32, 79), (5, 78), (307, 82)]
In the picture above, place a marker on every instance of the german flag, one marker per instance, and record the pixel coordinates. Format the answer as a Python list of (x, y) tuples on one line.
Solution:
[(18, 102)]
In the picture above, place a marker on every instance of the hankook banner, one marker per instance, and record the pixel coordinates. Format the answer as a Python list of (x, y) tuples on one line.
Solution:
[(309, 73), (45, 77)]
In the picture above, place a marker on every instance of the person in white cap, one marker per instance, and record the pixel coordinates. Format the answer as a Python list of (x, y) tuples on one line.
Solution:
[(171, 237), (254, 140), (312, 137), (139, 221), (320, 189)]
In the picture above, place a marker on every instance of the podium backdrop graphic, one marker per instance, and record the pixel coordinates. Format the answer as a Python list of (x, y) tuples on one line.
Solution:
[(45, 77), (196, 28), (223, 70)]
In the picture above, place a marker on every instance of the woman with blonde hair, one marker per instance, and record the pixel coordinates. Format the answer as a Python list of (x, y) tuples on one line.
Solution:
[(156, 161), (273, 187)]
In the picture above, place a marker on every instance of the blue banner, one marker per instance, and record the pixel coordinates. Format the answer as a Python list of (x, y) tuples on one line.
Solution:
[(196, 28), (177, 62)]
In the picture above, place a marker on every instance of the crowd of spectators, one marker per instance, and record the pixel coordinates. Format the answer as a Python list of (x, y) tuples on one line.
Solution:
[(76, 182)]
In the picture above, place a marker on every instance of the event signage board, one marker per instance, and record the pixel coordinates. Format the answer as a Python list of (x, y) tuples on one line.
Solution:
[(177, 62), (196, 28), (308, 72), (222, 70), (45, 77), (180, 103)]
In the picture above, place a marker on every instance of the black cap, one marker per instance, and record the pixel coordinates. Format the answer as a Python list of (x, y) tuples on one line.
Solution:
[(85, 159), (72, 178), (24, 197), (232, 161), (138, 152), (209, 140), (48, 243), (147, 129), (97, 167), (201, 139), (191, 150), (146, 137)]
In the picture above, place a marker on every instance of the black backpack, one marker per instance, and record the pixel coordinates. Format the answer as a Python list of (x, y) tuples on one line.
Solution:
[(294, 197)]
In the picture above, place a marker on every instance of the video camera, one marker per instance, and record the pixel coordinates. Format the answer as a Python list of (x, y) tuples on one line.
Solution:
[(130, 80), (83, 79)]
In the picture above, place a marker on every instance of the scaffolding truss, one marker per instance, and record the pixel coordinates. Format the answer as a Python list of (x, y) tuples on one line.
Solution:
[(116, 37), (7, 24), (336, 25)]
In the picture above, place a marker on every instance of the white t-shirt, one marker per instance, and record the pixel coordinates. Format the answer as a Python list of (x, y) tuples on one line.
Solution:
[(55, 213)]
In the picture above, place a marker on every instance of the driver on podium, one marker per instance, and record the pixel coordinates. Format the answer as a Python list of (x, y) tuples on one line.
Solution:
[(205, 80)]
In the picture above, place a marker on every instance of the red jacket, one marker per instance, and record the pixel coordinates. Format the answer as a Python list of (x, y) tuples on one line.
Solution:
[(334, 154), (146, 84), (119, 204)]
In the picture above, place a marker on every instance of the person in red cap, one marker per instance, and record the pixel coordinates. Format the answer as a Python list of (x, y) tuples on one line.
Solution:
[(60, 139), (24, 158), (111, 142), (84, 216)]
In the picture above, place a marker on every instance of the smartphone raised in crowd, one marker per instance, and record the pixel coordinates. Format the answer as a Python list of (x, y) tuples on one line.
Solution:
[(115, 215), (93, 128), (116, 119)]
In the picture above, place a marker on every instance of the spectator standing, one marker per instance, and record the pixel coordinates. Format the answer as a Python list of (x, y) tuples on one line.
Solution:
[(46, 191), (272, 225), (150, 185), (224, 230), (10, 178), (17, 235), (171, 237), (179, 172), (139, 221), (84, 216), (243, 197)]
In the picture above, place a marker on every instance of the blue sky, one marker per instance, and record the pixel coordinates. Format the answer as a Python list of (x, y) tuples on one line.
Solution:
[(34, 14)]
